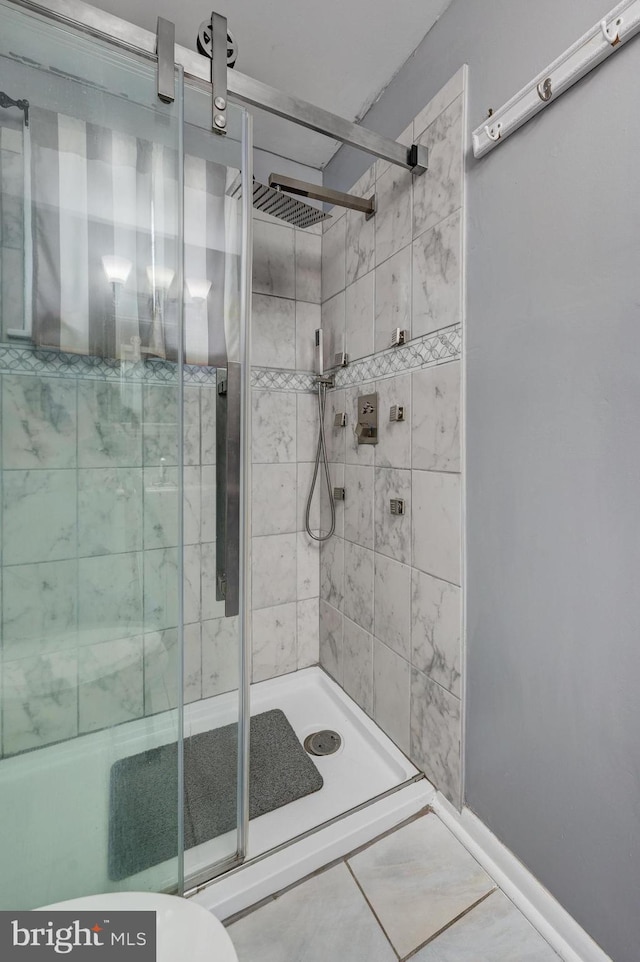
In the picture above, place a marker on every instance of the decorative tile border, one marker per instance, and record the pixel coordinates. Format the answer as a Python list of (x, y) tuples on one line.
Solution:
[(443, 345), (264, 379), (28, 360)]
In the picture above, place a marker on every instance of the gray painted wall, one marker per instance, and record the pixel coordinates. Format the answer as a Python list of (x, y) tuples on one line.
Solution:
[(553, 428)]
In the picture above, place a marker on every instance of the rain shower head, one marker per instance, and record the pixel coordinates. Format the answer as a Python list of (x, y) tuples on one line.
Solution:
[(278, 204)]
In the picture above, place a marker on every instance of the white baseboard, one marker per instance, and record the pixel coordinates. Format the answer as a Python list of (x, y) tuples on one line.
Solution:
[(545, 913)]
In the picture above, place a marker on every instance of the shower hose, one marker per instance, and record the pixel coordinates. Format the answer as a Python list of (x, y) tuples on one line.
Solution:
[(321, 452)]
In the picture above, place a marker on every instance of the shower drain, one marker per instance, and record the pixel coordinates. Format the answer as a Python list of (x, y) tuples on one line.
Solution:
[(325, 742)]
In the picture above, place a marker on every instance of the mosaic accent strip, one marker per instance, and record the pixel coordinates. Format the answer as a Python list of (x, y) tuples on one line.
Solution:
[(27, 360), (444, 345), (265, 379)]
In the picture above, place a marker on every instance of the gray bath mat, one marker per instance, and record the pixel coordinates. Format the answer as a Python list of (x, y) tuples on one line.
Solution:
[(143, 823)]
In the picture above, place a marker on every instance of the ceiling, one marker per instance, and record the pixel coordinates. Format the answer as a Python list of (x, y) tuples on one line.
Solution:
[(336, 54)]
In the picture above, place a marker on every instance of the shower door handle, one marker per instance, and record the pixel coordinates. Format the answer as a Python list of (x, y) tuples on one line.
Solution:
[(228, 424)]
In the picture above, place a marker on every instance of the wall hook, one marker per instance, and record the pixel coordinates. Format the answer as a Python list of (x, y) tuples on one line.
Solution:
[(611, 34), (493, 132), (544, 89)]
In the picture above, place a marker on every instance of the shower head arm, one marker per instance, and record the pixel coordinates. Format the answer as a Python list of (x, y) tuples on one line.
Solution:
[(337, 197)]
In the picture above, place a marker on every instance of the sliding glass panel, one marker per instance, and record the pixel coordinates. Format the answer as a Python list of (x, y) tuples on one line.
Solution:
[(216, 226), (92, 549)]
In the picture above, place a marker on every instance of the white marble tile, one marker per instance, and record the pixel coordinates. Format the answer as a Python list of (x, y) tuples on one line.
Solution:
[(333, 259), (208, 397), (336, 473), (393, 214), (191, 424), (162, 506), (358, 504), (274, 641), (44, 504), (273, 259), (305, 475), (331, 640), (162, 664), (358, 665), (273, 502), (393, 532), (335, 213), (437, 277), (220, 656), (110, 684), (436, 524), (335, 437), (273, 431), (160, 588), (360, 316), (360, 243), (405, 138), (39, 609), (435, 734), (333, 327), (110, 424), (308, 266), (435, 632), (110, 510), (391, 694), (273, 331), (273, 570), (294, 926), (308, 555), (308, 320), (392, 297), (192, 583), (446, 95), (38, 422), (110, 596), (207, 503), (435, 418), (308, 629), (40, 701), (419, 879), (332, 572), (494, 930), (307, 426), (394, 437), (366, 183), (210, 608), (160, 426), (392, 614), (358, 585), (439, 192)]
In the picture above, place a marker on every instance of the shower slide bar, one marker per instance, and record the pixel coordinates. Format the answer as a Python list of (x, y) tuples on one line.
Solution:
[(239, 87)]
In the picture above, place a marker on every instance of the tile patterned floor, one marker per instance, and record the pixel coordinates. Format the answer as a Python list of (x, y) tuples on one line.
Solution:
[(413, 894)]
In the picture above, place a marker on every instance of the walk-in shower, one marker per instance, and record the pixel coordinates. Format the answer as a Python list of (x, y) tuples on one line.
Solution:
[(126, 258)]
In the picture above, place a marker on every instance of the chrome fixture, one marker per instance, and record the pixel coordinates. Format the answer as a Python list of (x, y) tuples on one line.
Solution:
[(323, 383), (340, 420), (367, 426), (399, 337), (396, 412), (396, 506), (278, 204), (165, 49), (366, 206), (338, 494), (341, 359)]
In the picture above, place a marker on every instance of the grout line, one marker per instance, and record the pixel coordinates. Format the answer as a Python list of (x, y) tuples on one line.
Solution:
[(450, 924), (371, 909)]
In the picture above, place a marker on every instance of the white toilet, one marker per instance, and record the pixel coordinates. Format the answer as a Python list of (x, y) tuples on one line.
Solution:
[(185, 930)]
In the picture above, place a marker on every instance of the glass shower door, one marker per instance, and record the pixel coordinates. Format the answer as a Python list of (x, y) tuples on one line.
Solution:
[(91, 470)]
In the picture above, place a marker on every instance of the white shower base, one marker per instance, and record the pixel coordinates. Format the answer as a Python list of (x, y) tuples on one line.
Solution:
[(55, 801)]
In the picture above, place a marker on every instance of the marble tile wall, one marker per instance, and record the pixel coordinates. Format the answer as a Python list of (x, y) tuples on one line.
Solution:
[(285, 561), (390, 586)]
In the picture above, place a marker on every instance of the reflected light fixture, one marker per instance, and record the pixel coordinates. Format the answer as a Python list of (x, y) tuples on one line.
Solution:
[(117, 269), (198, 288), (160, 278)]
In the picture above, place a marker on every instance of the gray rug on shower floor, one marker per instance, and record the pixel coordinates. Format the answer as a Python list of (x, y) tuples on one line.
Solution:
[(143, 821)]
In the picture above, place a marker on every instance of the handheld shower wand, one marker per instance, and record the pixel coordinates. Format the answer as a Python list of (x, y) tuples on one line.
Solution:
[(321, 450)]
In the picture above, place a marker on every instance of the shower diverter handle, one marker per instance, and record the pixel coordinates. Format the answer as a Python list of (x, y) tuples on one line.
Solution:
[(228, 425)]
